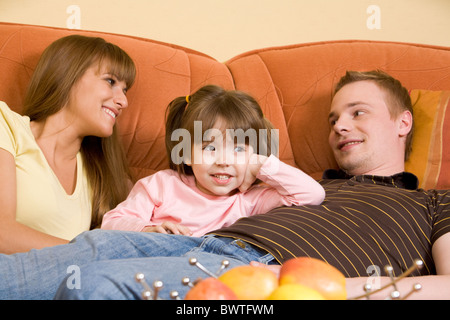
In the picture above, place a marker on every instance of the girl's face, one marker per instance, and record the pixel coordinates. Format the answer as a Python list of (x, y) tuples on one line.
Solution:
[(219, 163), (96, 100)]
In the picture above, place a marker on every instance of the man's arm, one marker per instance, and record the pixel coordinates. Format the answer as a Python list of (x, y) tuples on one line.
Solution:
[(433, 287), (441, 254)]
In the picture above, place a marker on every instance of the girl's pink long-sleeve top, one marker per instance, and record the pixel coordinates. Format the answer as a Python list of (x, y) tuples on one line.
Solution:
[(163, 196)]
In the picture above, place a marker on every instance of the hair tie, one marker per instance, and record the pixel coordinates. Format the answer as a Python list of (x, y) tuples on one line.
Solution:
[(187, 98)]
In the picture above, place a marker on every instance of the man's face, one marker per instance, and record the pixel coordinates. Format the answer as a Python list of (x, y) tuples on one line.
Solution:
[(363, 137)]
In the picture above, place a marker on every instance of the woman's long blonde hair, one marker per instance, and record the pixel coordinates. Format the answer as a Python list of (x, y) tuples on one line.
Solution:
[(61, 65)]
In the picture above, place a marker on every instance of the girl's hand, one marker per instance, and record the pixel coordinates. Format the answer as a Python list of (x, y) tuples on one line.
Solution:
[(254, 164), (169, 227)]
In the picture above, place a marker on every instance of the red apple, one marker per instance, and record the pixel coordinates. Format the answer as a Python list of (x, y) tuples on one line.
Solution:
[(210, 289), (316, 274)]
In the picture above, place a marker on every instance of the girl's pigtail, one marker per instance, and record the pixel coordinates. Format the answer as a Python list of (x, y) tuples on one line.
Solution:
[(174, 116)]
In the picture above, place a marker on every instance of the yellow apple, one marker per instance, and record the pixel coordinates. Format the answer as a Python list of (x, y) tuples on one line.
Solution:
[(292, 291), (210, 289), (250, 282), (316, 274)]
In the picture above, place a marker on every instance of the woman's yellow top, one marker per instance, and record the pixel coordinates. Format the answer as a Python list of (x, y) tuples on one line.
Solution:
[(42, 202)]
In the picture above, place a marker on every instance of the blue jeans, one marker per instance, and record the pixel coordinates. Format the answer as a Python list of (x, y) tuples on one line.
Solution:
[(102, 264)]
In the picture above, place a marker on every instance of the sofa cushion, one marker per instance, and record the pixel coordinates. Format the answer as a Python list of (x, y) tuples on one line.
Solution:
[(255, 79), (430, 156)]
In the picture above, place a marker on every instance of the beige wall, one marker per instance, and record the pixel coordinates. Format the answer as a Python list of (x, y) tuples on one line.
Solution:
[(225, 28)]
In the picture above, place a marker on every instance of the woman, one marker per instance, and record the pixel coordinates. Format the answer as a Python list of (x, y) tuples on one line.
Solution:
[(61, 165)]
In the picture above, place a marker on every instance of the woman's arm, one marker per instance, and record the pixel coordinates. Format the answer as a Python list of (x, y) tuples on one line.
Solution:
[(14, 236)]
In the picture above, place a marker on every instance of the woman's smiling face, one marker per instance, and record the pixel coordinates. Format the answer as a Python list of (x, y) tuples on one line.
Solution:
[(96, 99)]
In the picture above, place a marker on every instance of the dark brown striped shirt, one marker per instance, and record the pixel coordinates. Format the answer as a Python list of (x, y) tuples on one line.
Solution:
[(364, 224)]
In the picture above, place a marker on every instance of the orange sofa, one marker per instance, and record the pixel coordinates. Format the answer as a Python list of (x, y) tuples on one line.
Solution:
[(293, 84)]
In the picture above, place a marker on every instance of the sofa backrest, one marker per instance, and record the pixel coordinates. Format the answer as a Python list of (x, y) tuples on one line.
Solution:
[(293, 85), (299, 80), (164, 72)]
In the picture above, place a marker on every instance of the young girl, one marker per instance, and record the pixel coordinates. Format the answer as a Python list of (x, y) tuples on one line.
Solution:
[(228, 170), (61, 164)]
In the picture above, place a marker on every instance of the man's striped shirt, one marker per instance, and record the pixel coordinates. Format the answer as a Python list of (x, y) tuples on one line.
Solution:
[(364, 224)]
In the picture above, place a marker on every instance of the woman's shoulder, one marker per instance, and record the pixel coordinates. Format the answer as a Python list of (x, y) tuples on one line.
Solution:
[(9, 116), (15, 131), (5, 109)]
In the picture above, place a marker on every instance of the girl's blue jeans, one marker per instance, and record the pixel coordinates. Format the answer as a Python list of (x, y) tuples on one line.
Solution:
[(102, 264)]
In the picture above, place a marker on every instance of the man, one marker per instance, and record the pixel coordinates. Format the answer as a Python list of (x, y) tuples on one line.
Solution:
[(373, 215)]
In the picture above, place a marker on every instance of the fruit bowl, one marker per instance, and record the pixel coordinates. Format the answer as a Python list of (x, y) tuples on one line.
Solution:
[(301, 278)]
